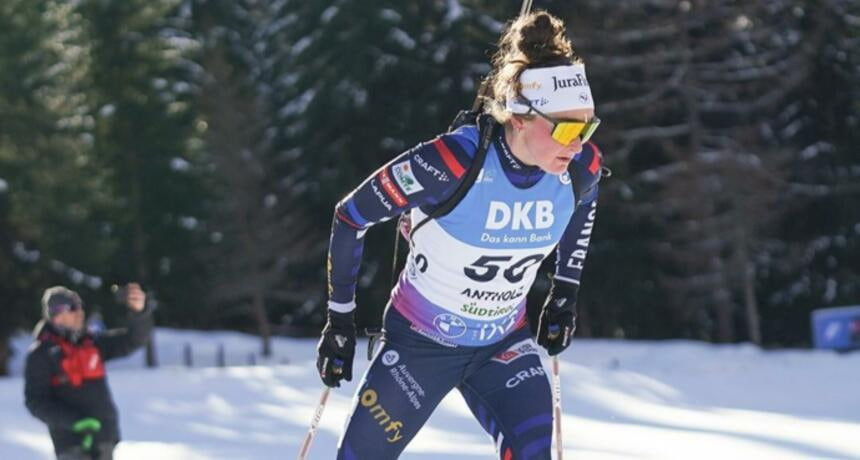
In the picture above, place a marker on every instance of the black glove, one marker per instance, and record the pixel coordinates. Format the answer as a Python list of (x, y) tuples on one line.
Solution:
[(558, 317), (336, 349)]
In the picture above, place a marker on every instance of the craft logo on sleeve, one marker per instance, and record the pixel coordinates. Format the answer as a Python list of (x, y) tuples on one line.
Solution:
[(405, 178), (440, 175)]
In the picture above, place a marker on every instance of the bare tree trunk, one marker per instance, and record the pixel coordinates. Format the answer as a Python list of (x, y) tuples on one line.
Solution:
[(748, 281), (751, 305), (725, 325), (139, 255), (258, 309), (4, 357)]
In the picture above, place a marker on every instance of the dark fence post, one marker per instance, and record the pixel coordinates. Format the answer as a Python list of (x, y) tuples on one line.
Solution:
[(220, 359), (187, 356)]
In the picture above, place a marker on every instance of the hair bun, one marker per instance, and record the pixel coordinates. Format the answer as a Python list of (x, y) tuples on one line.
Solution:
[(542, 39), (533, 40)]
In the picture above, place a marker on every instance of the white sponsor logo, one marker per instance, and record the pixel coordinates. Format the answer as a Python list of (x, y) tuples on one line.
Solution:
[(576, 259), (406, 381), (498, 327), (434, 337), (517, 350), (527, 215), (441, 176), (522, 376), (405, 178), (564, 178), (379, 195), (390, 357)]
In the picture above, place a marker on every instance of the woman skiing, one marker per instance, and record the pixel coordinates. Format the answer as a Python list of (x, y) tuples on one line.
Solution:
[(456, 318)]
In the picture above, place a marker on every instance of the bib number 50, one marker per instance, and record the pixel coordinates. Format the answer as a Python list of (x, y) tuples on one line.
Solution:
[(487, 267)]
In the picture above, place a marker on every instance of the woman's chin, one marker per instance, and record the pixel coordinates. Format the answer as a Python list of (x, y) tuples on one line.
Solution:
[(556, 167)]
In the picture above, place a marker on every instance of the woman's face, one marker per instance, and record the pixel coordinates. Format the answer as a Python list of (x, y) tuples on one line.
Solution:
[(544, 151), (70, 319)]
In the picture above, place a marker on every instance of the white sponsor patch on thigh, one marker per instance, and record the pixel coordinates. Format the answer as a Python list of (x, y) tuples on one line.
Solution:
[(519, 349)]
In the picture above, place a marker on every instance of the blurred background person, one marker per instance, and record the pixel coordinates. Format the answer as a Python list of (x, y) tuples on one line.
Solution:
[(65, 379)]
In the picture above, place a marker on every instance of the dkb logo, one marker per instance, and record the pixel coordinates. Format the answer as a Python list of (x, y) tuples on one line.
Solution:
[(527, 215)]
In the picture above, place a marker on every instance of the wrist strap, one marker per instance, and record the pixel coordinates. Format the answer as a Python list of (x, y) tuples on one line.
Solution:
[(341, 307)]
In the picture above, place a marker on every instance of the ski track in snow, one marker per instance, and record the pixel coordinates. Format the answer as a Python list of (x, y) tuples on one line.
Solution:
[(621, 400)]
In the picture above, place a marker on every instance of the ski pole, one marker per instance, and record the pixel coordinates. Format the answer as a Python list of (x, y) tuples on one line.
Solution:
[(556, 403), (315, 422)]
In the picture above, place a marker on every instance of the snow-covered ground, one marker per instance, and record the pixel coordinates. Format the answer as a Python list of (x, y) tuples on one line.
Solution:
[(622, 399)]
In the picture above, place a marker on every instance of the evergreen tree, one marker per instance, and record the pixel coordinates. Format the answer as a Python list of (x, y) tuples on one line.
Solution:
[(361, 82), (51, 205), (260, 228), (815, 254), (691, 90), (140, 99)]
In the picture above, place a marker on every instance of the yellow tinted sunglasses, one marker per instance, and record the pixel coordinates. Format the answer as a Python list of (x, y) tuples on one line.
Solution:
[(565, 131)]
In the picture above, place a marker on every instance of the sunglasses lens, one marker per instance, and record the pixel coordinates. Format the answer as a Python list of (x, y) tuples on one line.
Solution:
[(565, 132), (589, 129)]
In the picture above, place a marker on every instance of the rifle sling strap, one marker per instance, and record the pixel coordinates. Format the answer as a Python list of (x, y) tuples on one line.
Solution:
[(487, 127)]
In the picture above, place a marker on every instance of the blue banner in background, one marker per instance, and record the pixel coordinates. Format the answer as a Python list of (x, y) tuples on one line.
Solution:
[(836, 328)]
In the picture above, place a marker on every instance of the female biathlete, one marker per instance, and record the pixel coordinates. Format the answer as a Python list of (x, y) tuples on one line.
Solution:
[(456, 318)]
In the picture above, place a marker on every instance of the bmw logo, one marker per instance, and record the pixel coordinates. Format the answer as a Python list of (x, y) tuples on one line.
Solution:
[(451, 326)]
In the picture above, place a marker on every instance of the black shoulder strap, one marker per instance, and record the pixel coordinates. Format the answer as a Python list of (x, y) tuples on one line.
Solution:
[(486, 128)]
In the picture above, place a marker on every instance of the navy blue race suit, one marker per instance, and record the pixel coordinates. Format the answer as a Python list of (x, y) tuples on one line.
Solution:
[(457, 314)]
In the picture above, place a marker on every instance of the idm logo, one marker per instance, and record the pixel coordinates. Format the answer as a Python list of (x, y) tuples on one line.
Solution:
[(451, 326), (390, 357)]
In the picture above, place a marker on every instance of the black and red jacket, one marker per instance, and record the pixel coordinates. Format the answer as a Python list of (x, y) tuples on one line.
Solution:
[(65, 380)]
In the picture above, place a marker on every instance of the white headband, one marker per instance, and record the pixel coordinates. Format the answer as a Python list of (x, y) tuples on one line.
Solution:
[(553, 89)]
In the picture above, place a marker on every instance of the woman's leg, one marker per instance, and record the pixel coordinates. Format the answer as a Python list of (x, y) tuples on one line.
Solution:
[(510, 395), (403, 385)]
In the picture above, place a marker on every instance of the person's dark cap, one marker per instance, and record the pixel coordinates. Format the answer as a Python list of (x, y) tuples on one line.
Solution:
[(58, 299)]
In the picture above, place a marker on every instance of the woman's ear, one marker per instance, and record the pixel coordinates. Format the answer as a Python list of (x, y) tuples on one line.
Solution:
[(517, 123)]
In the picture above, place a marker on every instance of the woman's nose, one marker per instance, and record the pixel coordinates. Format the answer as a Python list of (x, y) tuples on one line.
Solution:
[(575, 146)]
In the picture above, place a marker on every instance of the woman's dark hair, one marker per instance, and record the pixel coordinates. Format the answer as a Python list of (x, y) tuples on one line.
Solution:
[(534, 40)]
